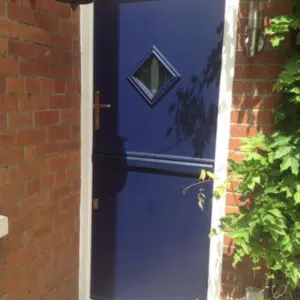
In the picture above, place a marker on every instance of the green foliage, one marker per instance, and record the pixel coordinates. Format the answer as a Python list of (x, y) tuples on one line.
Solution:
[(267, 227)]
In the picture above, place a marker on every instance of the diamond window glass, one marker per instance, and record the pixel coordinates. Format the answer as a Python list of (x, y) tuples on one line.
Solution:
[(154, 77)]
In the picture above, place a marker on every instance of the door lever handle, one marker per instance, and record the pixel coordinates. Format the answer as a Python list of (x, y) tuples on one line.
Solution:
[(97, 107)]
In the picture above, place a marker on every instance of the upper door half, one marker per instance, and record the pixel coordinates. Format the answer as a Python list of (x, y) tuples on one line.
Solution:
[(158, 64)]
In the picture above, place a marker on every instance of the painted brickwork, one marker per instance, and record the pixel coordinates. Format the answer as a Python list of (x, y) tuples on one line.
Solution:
[(253, 107), (39, 149)]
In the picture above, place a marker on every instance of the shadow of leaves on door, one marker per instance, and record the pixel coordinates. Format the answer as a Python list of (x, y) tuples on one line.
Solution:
[(194, 118)]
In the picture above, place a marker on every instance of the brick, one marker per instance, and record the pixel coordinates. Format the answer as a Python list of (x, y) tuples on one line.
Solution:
[(71, 145), (32, 86), (76, 46), (11, 156), (34, 69), (76, 72), (8, 28), (70, 116), (58, 162), (276, 9), (236, 156), (2, 86), (15, 85), (264, 117), (56, 8), (48, 86), (76, 131), (28, 169), (8, 103), (7, 139), (4, 178), (59, 177), (20, 13), (11, 192), (61, 192), (271, 102), (70, 59), (59, 133), (62, 43), (34, 34), (47, 22), (20, 119), (60, 71), (34, 102), (23, 50), (73, 87), (69, 29), (3, 121), (3, 46), (60, 102), (9, 66), (30, 203), (47, 181), (2, 8), (31, 136), (257, 72), (42, 118), (60, 86), (244, 101), (32, 186), (235, 144), (75, 16), (241, 87), (264, 87), (49, 55), (243, 131), (48, 149)]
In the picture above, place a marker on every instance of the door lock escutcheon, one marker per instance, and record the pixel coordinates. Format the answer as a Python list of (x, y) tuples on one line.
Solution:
[(97, 107)]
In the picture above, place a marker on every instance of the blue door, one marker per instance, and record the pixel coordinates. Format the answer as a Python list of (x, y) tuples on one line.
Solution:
[(157, 70)]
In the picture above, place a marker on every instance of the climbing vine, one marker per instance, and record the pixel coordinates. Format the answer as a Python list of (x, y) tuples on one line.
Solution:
[(267, 227)]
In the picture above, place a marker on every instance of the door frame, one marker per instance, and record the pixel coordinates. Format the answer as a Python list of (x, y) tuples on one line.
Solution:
[(221, 156)]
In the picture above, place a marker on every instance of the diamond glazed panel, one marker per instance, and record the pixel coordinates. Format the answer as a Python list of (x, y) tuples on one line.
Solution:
[(154, 77)]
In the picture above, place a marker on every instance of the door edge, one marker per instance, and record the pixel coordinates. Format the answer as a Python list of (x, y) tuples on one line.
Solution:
[(222, 144), (87, 80)]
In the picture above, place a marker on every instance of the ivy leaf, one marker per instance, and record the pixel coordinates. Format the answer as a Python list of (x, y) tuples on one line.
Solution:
[(282, 151), (281, 140), (276, 40), (295, 166), (213, 233), (295, 90), (297, 197), (202, 175), (285, 164), (211, 175), (254, 180), (275, 212), (219, 191)]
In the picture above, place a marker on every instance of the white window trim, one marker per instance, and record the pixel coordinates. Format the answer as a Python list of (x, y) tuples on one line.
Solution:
[(222, 145)]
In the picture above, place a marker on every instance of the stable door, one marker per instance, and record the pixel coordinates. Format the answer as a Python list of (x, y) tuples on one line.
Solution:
[(156, 80)]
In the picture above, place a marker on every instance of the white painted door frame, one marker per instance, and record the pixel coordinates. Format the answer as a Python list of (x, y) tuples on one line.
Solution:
[(222, 144)]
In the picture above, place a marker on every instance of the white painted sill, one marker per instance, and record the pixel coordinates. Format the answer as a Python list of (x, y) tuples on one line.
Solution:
[(3, 226)]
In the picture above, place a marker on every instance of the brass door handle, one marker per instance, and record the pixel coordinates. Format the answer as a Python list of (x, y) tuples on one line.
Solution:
[(97, 107)]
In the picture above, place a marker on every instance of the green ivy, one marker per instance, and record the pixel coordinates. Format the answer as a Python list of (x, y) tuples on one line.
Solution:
[(267, 227)]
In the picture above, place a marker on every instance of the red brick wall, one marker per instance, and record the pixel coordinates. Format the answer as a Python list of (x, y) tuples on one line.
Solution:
[(39, 149), (253, 107)]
